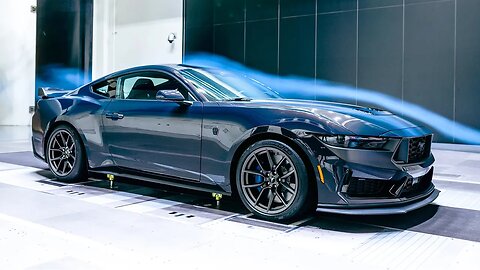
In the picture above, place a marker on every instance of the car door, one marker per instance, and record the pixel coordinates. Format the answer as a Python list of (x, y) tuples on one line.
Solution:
[(150, 135)]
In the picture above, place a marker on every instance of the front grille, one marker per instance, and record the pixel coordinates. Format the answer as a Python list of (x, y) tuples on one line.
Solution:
[(413, 150), (366, 187), (421, 184), (417, 149), (373, 188), (376, 188)]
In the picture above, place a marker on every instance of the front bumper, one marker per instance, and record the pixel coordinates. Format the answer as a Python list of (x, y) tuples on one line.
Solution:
[(370, 182), (386, 208)]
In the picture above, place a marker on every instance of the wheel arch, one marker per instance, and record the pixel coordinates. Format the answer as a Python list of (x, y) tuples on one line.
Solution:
[(53, 125), (285, 136)]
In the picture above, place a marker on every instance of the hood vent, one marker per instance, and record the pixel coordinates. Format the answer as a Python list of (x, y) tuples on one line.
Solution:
[(372, 111)]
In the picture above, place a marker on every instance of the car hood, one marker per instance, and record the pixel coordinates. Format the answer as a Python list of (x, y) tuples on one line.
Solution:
[(356, 119)]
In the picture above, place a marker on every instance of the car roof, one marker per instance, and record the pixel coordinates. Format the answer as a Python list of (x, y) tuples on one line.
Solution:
[(167, 68)]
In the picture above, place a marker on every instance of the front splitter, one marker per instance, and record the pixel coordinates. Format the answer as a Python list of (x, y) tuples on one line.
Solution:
[(386, 210)]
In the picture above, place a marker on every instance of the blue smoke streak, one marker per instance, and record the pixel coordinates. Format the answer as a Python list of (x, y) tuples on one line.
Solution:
[(306, 88), (61, 77)]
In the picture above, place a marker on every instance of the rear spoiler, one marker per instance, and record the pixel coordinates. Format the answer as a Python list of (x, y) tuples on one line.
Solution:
[(49, 92)]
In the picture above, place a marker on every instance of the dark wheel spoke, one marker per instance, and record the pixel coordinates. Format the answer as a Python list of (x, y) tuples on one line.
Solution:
[(254, 185), (270, 160), (55, 166), (288, 188), (271, 196), (64, 166), (253, 172), (280, 162), (279, 196), (56, 141), (259, 164), (287, 174), (59, 166), (63, 139), (259, 195), (66, 141)]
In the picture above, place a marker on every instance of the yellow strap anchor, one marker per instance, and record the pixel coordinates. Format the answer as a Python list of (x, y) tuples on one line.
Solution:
[(217, 197), (111, 177)]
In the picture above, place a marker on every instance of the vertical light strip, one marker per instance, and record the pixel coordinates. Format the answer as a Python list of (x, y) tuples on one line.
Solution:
[(184, 28), (403, 53), (278, 38), (316, 44), (214, 47), (114, 34), (245, 32), (454, 69), (356, 59)]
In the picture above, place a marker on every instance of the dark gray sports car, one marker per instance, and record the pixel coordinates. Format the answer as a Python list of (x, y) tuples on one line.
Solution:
[(190, 127)]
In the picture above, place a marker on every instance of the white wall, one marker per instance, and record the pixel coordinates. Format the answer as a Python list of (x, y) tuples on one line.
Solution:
[(128, 33), (103, 37), (17, 61)]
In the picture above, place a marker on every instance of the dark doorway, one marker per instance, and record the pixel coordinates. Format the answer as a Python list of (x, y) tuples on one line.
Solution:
[(64, 43)]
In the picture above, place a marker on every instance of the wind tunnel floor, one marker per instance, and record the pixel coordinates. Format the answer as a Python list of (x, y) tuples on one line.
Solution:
[(47, 224)]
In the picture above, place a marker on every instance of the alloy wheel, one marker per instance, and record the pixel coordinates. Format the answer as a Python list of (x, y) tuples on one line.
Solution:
[(61, 152), (269, 180)]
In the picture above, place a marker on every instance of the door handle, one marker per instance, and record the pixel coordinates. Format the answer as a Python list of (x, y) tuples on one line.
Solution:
[(114, 116)]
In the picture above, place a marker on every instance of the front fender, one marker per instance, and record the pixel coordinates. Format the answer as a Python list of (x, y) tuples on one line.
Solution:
[(266, 132)]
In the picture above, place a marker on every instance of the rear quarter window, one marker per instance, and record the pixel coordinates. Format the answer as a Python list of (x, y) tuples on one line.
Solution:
[(107, 88)]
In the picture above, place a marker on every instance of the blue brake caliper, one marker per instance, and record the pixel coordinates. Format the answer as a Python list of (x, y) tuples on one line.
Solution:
[(258, 179)]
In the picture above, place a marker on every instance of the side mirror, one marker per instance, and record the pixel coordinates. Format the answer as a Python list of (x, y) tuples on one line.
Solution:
[(172, 95)]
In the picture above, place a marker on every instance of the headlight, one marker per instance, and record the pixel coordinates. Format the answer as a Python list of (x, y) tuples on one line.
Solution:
[(354, 141)]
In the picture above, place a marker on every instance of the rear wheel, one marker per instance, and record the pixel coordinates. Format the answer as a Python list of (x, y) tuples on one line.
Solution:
[(272, 181), (65, 155)]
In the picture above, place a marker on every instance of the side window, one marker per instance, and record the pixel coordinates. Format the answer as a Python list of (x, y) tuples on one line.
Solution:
[(145, 85), (107, 88), (137, 83)]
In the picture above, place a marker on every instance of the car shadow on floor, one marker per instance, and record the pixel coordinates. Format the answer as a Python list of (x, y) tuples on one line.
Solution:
[(371, 223), (233, 206)]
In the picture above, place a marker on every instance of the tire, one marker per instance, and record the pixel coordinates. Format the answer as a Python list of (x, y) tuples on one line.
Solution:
[(65, 155), (276, 193)]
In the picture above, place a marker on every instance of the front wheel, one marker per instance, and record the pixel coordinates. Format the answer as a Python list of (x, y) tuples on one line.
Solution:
[(272, 181), (65, 156)]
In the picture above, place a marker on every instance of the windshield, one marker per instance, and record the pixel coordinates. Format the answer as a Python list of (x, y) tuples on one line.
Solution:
[(217, 85)]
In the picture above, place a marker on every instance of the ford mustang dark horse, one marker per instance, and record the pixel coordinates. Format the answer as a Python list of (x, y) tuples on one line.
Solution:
[(194, 127)]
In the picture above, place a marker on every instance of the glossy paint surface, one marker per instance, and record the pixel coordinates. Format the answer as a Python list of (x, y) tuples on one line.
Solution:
[(157, 136), (201, 142)]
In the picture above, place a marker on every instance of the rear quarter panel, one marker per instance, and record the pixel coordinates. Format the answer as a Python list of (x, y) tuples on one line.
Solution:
[(82, 110)]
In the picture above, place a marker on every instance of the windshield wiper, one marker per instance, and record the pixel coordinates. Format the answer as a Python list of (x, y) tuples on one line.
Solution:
[(239, 99)]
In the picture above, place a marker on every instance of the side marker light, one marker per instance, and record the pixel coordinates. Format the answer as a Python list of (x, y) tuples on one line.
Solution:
[(320, 172)]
